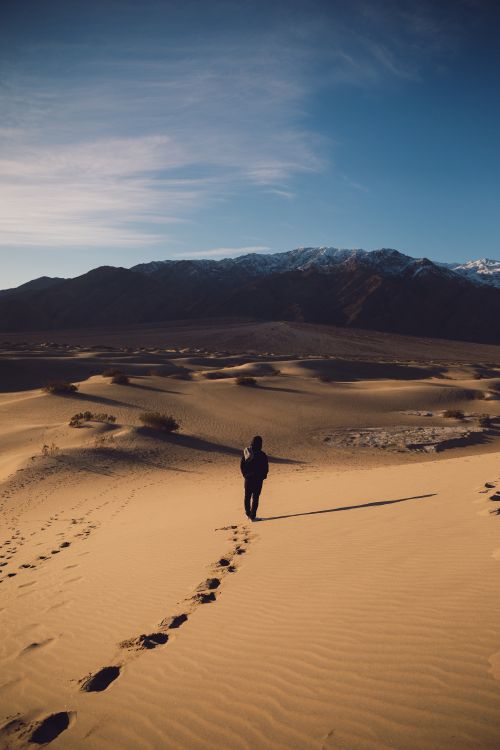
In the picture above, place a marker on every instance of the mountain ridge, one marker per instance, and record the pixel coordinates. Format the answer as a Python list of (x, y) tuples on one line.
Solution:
[(382, 290)]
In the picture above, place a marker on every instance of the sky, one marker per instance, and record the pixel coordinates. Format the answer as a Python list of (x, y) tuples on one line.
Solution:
[(136, 131)]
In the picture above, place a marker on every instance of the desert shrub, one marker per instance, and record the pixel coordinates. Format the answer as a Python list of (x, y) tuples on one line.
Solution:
[(246, 380), (454, 414), (88, 416), (120, 379), (104, 441), (158, 421), (217, 375), (50, 450), (276, 372), (485, 420), (60, 386), (325, 378), (111, 372)]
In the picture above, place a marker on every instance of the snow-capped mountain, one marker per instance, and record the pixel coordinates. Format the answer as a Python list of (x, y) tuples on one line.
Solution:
[(324, 260), (383, 290), (484, 271)]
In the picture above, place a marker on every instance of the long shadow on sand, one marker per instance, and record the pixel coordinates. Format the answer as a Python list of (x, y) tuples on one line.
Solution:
[(143, 387), (349, 507), (196, 443), (79, 396), (282, 390)]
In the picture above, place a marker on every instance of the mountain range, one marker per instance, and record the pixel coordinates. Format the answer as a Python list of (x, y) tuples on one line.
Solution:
[(381, 290)]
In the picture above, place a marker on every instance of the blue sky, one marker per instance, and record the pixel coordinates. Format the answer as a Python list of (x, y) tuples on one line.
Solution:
[(143, 131)]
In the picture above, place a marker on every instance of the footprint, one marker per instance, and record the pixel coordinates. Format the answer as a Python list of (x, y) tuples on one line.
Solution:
[(51, 727), (204, 598), (36, 645), (212, 583), (146, 641), (495, 497), (64, 544), (224, 562), (174, 622), (99, 681)]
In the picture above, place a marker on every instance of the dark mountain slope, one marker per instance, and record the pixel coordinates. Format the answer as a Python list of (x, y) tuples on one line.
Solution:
[(383, 291)]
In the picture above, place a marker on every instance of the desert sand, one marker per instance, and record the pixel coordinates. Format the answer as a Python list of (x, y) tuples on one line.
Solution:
[(139, 608)]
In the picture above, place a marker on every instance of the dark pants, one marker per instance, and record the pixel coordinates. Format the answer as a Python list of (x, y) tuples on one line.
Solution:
[(253, 489)]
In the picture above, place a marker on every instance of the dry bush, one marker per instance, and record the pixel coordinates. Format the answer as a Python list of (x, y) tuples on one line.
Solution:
[(50, 450), (485, 420), (325, 378), (454, 414), (159, 421), (104, 441), (217, 375), (120, 379), (246, 380), (88, 416), (60, 386), (110, 372)]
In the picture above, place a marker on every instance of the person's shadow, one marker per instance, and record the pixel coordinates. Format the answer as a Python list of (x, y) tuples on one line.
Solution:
[(347, 507)]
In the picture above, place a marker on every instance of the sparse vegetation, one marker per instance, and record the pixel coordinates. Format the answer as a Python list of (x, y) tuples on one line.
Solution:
[(120, 379), (325, 378), (87, 416), (50, 450), (246, 380), (454, 414), (104, 441), (60, 387), (159, 421), (485, 420), (217, 375)]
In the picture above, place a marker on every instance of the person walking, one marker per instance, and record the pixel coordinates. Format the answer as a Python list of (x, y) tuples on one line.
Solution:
[(255, 468)]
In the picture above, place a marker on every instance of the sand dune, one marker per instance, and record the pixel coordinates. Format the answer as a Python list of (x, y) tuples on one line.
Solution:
[(139, 608)]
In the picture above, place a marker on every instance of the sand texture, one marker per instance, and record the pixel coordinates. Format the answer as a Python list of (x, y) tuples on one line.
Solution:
[(139, 608)]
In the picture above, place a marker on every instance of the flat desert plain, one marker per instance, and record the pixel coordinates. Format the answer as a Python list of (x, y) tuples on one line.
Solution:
[(139, 608)]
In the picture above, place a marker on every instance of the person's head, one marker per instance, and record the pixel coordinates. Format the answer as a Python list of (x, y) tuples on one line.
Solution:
[(257, 443)]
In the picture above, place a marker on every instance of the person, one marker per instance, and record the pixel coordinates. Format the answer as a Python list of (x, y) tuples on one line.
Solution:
[(255, 468)]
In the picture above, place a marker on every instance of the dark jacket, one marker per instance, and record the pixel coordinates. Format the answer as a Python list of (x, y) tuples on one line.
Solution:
[(255, 467)]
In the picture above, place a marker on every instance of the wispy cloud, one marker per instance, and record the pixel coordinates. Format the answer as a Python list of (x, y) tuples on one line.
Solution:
[(176, 137), (136, 138)]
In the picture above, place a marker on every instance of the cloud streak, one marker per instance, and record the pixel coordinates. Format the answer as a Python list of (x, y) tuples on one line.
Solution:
[(175, 138), (137, 139)]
